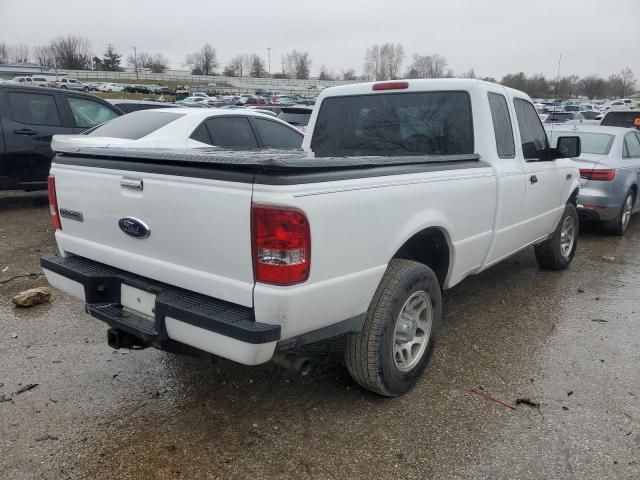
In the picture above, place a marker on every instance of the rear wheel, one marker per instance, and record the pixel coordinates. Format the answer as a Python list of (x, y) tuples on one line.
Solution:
[(556, 253), (397, 339), (622, 220)]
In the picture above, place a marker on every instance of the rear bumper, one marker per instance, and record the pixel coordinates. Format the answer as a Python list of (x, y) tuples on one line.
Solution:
[(596, 205), (189, 318)]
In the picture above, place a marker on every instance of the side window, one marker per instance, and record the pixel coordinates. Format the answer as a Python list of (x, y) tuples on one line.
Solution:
[(231, 132), (502, 126), (532, 135), (88, 113), (275, 135), (201, 134), (632, 145), (33, 109)]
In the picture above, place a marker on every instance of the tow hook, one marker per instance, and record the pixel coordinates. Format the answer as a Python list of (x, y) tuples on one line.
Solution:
[(120, 339)]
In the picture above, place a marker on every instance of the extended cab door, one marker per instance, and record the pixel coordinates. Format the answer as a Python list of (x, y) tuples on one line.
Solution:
[(30, 118), (510, 231), (544, 180)]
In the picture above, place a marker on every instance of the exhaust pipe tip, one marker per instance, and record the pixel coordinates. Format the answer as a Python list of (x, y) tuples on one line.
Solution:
[(299, 364)]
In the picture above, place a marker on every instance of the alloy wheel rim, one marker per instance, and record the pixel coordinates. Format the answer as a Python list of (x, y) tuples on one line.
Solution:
[(412, 331), (567, 236), (626, 212)]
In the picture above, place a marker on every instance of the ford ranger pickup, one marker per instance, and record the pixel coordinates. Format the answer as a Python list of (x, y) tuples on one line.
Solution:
[(402, 189)]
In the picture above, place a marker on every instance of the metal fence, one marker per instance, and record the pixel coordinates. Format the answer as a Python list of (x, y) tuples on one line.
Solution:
[(202, 81)]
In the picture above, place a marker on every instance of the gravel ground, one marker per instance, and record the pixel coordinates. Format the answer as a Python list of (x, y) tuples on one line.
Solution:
[(569, 342)]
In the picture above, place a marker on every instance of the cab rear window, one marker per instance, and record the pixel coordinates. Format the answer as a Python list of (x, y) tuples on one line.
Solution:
[(135, 125), (629, 119), (394, 124)]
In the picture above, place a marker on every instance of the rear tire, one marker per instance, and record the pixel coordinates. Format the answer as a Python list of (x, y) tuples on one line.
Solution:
[(556, 253), (394, 347), (622, 220)]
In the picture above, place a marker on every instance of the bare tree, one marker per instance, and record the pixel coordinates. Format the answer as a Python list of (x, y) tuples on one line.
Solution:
[(72, 52), (18, 53), (44, 55), (257, 68), (158, 63), (297, 65), (628, 81), (326, 74), (4, 53), (238, 66), (371, 68), (592, 86), (428, 66), (468, 74), (383, 62), (349, 74), (204, 60)]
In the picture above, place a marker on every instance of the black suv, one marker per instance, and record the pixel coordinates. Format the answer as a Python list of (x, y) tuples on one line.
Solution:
[(29, 117)]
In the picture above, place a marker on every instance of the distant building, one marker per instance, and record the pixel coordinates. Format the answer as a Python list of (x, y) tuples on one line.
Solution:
[(10, 70)]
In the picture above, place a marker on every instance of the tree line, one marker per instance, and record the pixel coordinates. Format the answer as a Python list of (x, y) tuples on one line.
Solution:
[(381, 62), (384, 62)]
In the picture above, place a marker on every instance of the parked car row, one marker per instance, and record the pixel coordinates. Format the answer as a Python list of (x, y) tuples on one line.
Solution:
[(31, 115)]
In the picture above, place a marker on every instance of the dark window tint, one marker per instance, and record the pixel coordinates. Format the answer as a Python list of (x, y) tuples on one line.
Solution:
[(276, 135), (621, 119), (590, 114), (134, 107), (33, 108), (295, 116), (532, 135), (135, 125), (201, 134), (559, 117), (632, 145), (426, 123), (502, 126), (231, 132), (88, 113)]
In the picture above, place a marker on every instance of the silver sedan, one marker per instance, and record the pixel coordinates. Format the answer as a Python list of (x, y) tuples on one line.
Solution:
[(609, 173)]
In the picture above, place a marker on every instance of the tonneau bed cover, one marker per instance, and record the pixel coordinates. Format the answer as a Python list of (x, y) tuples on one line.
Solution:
[(264, 160)]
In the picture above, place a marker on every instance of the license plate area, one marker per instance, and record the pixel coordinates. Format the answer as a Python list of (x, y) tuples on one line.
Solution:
[(137, 301)]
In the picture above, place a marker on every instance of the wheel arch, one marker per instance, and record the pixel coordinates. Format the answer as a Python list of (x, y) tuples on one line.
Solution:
[(573, 198), (432, 247)]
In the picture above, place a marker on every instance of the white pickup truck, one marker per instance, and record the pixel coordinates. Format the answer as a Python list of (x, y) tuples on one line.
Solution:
[(404, 188)]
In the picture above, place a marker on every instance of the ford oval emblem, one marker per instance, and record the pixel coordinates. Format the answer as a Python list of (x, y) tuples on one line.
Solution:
[(134, 227)]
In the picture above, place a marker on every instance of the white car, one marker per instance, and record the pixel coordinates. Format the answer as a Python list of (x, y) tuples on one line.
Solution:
[(180, 128), (71, 84), (33, 80), (406, 187), (110, 87)]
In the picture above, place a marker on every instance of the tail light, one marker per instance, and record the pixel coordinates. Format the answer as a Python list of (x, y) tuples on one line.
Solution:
[(281, 245), (53, 203), (390, 86), (602, 174)]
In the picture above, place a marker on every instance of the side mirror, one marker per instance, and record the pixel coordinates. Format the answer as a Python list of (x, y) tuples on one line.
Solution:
[(568, 147)]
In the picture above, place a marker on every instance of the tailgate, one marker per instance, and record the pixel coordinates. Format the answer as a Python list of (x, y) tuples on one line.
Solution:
[(199, 229)]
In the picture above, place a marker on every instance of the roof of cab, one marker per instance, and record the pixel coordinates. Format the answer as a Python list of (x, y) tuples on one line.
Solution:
[(413, 85)]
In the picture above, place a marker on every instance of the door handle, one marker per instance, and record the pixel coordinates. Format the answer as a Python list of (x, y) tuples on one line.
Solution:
[(533, 179), (25, 131)]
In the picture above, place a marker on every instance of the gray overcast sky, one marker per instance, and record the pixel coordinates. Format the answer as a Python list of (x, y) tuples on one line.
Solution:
[(492, 36)]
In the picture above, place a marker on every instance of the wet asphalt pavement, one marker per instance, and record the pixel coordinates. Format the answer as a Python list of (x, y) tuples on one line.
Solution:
[(568, 341)]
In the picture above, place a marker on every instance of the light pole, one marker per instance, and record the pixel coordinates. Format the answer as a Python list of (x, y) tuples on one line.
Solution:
[(269, 61), (135, 61)]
